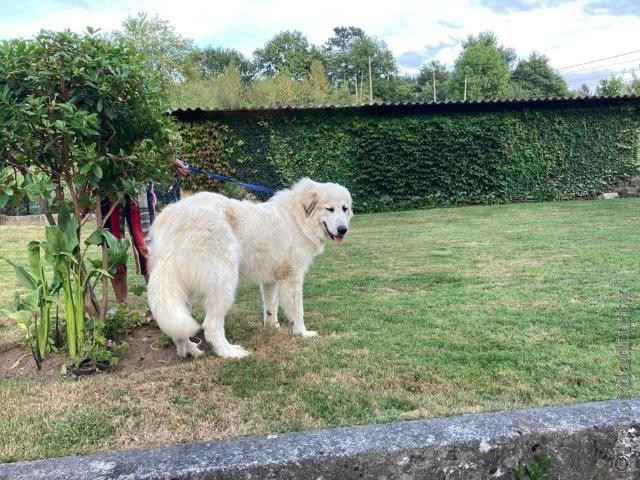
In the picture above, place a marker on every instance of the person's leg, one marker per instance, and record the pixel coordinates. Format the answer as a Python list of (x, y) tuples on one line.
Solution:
[(134, 220), (151, 203), (114, 225)]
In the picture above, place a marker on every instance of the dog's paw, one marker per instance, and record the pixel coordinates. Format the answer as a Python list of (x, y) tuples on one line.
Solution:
[(185, 348), (307, 333), (232, 351), (195, 352)]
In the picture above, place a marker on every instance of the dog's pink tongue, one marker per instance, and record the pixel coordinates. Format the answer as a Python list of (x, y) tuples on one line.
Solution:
[(338, 239)]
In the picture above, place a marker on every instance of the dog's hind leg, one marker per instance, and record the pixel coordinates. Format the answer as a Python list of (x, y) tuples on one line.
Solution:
[(216, 304), (269, 292), (170, 311)]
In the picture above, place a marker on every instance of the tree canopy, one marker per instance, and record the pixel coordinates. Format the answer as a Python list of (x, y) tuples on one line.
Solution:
[(486, 72), (434, 71), (82, 115), (165, 52), (213, 61), (534, 77), (287, 52), (347, 55)]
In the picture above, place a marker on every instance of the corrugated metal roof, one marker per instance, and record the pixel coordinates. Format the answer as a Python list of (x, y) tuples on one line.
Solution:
[(409, 107)]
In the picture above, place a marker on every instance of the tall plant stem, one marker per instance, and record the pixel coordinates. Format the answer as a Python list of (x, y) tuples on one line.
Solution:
[(105, 259)]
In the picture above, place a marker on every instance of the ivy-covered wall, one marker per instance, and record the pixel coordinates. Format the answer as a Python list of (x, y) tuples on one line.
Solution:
[(394, 161)]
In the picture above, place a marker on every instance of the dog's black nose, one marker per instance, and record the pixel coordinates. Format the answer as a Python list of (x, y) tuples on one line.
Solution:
[(342, 230)]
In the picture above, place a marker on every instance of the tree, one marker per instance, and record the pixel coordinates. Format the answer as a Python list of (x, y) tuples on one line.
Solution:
[(166, 53), (337, 51), (612, 86), (317, 87), (401, 88), (634, 85), (486, 72), (489, 39), (287, 52), (347, 55), (343, 38), (583, 90), (81, 120), (275, 91), (229, 87), (434, 70), (213, 61), (534, 77)]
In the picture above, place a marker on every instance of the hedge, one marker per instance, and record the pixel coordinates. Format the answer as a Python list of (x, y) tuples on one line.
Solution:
[(394, 161)]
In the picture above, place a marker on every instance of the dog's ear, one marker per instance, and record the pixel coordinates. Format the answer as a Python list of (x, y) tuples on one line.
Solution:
[(309, 202)]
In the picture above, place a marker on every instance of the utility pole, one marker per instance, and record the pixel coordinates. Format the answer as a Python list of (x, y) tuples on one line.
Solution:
[(370, 84), (433, 77), (361, 86), (464, 99), (356, 88)]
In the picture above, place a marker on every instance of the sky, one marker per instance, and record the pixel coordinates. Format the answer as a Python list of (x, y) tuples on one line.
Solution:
[(569, 32)]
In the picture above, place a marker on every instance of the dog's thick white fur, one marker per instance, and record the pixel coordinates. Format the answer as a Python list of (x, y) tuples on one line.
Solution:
[(203, 245)]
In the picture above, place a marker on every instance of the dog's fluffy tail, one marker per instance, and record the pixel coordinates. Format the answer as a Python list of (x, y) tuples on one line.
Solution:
[(169, 308)]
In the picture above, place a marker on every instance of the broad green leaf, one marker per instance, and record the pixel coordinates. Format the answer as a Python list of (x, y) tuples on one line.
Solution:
[(54, 244), (24, 277), (97, 237), (33, 254)]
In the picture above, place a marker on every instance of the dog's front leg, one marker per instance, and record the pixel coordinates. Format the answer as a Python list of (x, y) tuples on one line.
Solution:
[(269, 292), (291, 299)]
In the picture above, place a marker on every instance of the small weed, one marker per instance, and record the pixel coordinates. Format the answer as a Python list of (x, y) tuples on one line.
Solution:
[(164, 341), (138, 289), (178, 399), (536, 470), (124, 320)]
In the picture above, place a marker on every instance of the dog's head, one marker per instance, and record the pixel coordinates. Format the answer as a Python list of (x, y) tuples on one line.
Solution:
[(326, 208)]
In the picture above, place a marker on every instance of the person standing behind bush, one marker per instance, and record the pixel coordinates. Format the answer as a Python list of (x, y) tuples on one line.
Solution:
[(137, 213)]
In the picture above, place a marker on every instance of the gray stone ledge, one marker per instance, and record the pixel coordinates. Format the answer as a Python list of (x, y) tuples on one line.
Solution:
[(582, 441)]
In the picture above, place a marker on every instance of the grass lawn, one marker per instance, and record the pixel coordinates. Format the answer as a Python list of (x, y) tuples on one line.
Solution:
[(421, 313)]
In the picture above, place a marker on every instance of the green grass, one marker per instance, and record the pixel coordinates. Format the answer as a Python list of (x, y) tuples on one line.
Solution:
[(421, 313)]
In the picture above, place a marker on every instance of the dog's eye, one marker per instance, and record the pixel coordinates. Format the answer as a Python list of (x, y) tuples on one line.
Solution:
[(344, 209), (331, 209)]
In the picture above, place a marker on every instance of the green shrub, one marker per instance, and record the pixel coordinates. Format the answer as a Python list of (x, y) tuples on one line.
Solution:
[(403, 161)]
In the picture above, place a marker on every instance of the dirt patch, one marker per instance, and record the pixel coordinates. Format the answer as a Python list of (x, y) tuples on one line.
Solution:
[(145, 351)]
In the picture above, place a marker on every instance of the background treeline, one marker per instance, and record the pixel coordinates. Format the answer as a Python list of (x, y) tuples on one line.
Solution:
[(350, 67)]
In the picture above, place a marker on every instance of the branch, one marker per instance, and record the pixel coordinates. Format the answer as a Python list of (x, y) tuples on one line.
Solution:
[(44, 206), (106, 217), (74, 196)]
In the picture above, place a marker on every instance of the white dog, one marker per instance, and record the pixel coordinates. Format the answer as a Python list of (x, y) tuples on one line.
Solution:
[(202, 245)]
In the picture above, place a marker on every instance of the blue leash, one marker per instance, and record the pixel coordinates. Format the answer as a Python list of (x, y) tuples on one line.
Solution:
[(216, 176)]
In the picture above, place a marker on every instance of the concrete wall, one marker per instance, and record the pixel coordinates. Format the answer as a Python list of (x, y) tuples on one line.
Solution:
[(588, 441)]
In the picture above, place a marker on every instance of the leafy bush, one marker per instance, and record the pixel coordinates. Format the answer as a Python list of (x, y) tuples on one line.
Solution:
[(401, 161), (81, 121)]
